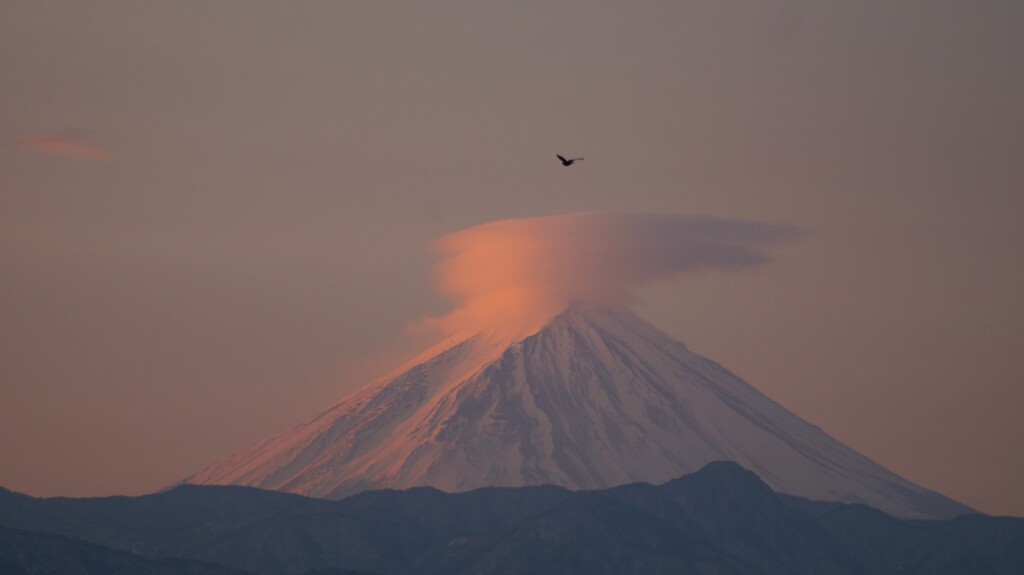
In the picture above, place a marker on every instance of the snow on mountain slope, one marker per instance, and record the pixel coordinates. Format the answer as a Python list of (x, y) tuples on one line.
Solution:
[(595, 398)]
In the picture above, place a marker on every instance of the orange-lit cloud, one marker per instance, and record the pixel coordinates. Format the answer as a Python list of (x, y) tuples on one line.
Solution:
[(67, 145), (516, 274)]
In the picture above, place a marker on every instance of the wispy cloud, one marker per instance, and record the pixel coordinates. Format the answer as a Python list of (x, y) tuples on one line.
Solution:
[(69, 144)]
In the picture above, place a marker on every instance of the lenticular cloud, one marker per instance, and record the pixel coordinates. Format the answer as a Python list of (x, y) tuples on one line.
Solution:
[(516, 274)]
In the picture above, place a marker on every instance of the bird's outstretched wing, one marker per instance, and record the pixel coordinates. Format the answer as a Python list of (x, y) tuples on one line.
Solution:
[(560, 157)]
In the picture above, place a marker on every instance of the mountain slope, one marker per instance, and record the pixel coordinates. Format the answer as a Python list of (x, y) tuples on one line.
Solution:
[(596, 398), (28, 553)]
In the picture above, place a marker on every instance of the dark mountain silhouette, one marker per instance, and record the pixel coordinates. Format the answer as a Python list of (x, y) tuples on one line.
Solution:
[(722, 519), (26, 552)]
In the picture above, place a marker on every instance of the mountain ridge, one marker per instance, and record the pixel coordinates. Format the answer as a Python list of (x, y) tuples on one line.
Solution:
[(722, 519)]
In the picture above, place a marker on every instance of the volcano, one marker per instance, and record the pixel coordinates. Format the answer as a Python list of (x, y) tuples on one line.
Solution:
[(595, 398)]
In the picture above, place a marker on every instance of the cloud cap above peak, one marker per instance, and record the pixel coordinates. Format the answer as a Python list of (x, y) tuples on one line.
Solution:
[(517, 273)]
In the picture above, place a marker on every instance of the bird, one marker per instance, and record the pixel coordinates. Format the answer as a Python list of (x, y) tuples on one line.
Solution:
[(566, 162)]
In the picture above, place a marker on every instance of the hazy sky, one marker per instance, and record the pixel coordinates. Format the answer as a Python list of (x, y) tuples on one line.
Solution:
[(215, 217)]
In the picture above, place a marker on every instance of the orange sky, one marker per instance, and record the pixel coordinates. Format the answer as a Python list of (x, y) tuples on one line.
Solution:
[(256, 239)]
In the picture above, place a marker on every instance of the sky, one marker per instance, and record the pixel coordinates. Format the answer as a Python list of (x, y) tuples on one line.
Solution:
[(217, 218)]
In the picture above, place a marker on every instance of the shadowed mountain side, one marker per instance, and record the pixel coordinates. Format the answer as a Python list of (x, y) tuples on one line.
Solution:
[(722, 519), (29, 553)]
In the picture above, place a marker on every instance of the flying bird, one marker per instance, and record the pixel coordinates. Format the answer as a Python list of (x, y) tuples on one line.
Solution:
[(566, 162)]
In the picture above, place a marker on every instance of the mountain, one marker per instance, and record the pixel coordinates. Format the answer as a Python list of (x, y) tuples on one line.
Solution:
[(593, 399), (722, 519), (27, 553)]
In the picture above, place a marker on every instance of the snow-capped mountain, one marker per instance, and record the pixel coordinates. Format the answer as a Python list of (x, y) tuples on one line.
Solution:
[(595, 398)]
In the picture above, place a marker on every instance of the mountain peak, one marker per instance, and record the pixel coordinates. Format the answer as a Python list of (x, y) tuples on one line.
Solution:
[(725, 477), (594, 398), (577, 308), (727, 470)]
